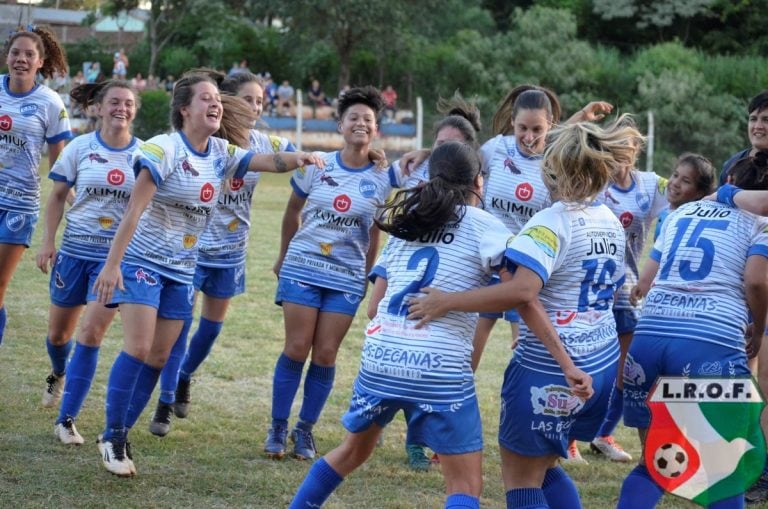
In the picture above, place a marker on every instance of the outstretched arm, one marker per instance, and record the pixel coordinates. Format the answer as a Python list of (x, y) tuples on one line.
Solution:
[(592, 112), (282, 162)]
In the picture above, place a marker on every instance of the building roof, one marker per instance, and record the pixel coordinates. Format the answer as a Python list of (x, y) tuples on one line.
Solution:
[(15, 13)]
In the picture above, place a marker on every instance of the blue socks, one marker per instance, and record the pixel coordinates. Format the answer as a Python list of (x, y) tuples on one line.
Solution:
[(560, 490), (122, 380), (169, 376), (526, 498), (58, 355), (81, 370), (200, 346), (3, 318), (613, 415), (462, 501), (639, 491), (318, 485), (285, 384), (145, 384), (317, 388)]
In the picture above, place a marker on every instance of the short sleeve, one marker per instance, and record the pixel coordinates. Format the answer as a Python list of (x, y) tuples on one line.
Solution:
[(58, 121), (157, 155), (65, 167)]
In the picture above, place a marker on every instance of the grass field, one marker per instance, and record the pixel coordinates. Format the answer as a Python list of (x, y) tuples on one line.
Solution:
[(213, 458)]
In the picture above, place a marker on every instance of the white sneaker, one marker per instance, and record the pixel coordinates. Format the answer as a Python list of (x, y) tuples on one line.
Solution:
[(67, 433), (574, 456), (609, 447), (53, 390), (114, 458)]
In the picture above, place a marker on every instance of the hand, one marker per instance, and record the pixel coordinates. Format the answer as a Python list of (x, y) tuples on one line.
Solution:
[(108, 279), (596, 110), (425, 309), (580, 382), (411, 160), (636, 294), (313, 158), (45, 257), (711, 197), (378, 156)]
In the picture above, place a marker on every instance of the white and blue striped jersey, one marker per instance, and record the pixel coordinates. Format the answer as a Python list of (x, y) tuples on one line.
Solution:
[(418, 175), (329, 249), (636, 208), (27, 122), (514, 190), (578, 252), (699, 288), (188, 185), (103, 180), (224, 242), (431, 364)]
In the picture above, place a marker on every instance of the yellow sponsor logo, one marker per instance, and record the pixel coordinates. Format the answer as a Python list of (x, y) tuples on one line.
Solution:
[(276, 142), (510, 239), (232, 226), (106, 222), (544, 238), (189, 241), (662, 185), (301, 171), (63, 114), (231, 150), (153, 152), (326, 248)]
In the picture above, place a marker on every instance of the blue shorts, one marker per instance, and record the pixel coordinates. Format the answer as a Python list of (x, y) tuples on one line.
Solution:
[(72, 281), (650, 357), (539, 416), (324, 299), (511, 315), (626, 320), (173, 300), (17, 227), (220, 283), (445, 431)]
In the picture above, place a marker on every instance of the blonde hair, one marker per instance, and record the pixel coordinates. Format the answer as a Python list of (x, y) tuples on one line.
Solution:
[(581, 158)]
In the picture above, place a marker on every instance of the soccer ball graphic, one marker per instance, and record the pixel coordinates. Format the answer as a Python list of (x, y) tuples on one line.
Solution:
[(670, 460)]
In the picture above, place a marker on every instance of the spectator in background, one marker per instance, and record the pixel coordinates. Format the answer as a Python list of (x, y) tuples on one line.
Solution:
[(390, 104), (120, 67), (93, 72), (270, 95), (234, 69), (316, 97), (152, 83), (169, 82), (285, 94), (139, 83)]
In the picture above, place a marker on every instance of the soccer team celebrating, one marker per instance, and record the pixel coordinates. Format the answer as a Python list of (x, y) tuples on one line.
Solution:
[(543, 225)]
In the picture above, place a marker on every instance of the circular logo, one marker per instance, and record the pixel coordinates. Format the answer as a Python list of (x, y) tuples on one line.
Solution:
[(207, 192), (342, 203), (236, 184), (15, 222), (189, 241), (524, 191), (6, 123), (115, 177), (232, 226), (106, 222), (626, 219), (367, 188)]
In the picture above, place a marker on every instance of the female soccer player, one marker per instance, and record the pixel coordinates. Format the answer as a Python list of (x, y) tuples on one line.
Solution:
[(96, 166), (571, 256), (720, 254), (322, 267), (151, 263), (435, 228), (220, 271), (31, 116)]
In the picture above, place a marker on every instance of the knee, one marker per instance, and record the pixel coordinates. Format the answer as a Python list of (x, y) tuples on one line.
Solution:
[(324, 355)]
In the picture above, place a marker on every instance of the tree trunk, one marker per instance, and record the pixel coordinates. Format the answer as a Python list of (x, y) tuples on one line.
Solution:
[(344, 71)]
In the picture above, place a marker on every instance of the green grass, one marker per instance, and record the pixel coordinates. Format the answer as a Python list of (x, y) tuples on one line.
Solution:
[(213, 458)]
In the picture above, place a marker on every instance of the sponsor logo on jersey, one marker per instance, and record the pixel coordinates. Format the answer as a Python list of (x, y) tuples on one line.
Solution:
[(95, 156), (28, 109), (643, 201), (626, 219), (63, 114), (236, 184), (232, 226), (555, 400), (15, 222), (189, 241), (207, 192), (326, 248), (564, 317), (524, 191), (367, 188), (220, 167), (510, 165), (231, 149), (106, 222), (6, 123), (142, 275), (327, 179), (544, 238), (153, 152), (275, 142), (115, 177), (188, 168), (342, 203), (661, 185)]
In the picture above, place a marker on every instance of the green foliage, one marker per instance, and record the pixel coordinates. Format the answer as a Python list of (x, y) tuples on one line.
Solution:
[(89, 50), (176, 60), (153, 117)]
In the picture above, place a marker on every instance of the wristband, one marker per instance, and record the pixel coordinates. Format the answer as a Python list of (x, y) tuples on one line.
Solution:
[(726, 194)]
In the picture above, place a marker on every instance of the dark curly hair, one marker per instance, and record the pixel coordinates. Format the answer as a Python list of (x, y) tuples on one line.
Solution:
[(52, 53), (369, 96)]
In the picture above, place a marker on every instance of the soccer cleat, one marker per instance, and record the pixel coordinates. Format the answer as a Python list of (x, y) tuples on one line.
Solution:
[(53, 390), (274, 445), (417, 459), (67, 433), (160, 424), (573, 456), (114, 458), (181, 405), (611, 450), (303, 444)]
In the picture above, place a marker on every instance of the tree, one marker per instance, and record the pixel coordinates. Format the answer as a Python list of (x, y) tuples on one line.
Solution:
[(657, 14)]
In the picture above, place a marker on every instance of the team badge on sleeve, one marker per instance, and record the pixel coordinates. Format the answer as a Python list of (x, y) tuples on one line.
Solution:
[(705, 443), (152, 152), (544, 238)]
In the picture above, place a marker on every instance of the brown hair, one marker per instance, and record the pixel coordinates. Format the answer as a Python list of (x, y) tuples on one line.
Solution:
[(525, 97), (52, 53)]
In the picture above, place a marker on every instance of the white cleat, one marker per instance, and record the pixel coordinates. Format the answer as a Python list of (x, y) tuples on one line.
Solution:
[(574, 456), (53, 390), (114, 458), (67, 433), (611, 450)]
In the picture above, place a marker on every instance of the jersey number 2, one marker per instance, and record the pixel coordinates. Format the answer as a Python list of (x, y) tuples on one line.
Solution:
[(396, 306)]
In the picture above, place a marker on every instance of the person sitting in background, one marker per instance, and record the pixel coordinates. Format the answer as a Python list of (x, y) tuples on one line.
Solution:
[(285, 98), (316, 97), (390, 104)]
